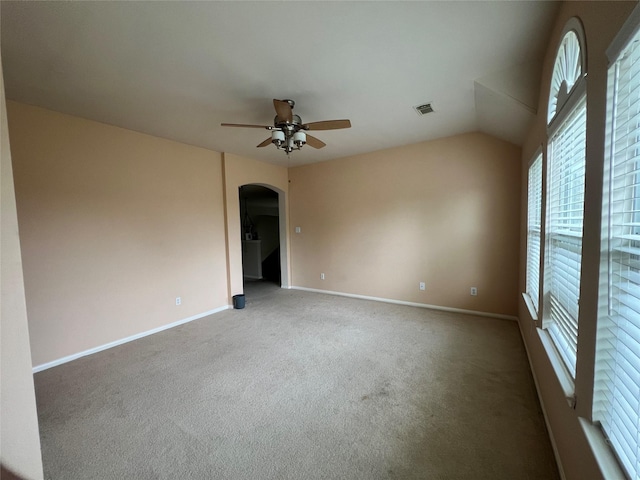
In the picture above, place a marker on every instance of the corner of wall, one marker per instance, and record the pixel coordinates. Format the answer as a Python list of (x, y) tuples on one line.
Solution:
[(19, 427)]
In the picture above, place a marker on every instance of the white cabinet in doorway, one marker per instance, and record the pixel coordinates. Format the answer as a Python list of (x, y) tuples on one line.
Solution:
[(252, 259)]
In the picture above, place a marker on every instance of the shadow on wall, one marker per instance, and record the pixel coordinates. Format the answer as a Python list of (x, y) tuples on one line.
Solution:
[(6, 474)]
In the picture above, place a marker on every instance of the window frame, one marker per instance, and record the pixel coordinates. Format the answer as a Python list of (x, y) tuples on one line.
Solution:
[(558, 318), (564, 109), (618, 200), (533, 296)]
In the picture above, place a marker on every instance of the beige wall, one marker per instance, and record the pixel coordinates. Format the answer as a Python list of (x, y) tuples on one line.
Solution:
[(19, 438), (601, 21), (103, 210), (445, 212), (240, 171), (114, 225)]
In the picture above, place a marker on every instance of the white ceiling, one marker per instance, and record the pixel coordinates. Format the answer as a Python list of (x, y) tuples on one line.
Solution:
[(179, 69)]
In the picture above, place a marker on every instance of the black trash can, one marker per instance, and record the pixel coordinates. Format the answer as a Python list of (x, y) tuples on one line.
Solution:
[(238, 301)]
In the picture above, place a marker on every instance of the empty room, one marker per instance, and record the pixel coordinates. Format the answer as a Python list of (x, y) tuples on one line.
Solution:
[(320, 240)]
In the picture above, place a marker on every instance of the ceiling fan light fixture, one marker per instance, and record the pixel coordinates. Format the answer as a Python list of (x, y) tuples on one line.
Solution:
[(277, 138), (299, 139)]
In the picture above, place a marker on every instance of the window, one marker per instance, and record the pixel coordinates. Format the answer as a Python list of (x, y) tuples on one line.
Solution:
[(567, 70), (534, 220), (565, 196), (564, 232), (617, 383)]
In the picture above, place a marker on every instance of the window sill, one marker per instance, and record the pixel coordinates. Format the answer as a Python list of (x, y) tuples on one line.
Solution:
[(529, 303), (564, 377), (609, 466)]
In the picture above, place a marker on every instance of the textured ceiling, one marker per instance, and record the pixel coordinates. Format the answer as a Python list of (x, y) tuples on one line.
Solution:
[(179, 69)]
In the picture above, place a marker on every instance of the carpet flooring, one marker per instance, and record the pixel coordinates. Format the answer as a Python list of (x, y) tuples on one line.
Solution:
[(301, 385)]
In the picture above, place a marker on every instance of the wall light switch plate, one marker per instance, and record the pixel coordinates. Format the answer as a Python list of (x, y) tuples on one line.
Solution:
[(298, 229), (422, 286)]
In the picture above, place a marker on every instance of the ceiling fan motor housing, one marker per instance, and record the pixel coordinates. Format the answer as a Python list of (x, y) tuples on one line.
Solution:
[(295, 120)]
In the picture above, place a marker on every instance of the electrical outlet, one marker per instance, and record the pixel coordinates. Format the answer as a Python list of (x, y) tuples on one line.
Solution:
[(474, 291), (178, 300), (422, 286), (298, 230), (322, 276)]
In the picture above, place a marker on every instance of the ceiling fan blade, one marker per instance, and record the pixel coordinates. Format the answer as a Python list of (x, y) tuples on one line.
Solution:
[(265, 143), (246, 126), (283, 110), (327, 125), (314, 142)]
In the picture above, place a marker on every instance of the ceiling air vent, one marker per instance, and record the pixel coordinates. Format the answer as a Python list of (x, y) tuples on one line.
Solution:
[(423, 109)]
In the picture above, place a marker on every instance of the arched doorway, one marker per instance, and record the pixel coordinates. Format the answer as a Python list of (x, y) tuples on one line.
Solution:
[(260, 225)]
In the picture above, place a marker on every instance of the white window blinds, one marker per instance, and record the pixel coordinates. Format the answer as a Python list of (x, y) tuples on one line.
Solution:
[(564, 231), (617, 386), (534, 211)]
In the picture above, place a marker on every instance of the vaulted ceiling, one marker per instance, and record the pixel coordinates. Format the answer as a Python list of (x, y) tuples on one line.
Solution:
[(179, 69)]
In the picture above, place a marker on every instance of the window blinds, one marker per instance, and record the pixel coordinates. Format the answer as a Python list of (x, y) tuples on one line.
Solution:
[(617, 386), (564, 231), (534, 211)]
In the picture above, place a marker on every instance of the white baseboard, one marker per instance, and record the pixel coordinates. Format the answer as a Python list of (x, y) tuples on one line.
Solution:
[(106, 346), (411, 304)]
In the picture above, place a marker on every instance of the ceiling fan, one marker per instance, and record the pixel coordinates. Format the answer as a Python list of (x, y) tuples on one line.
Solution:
[(288, 133)]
